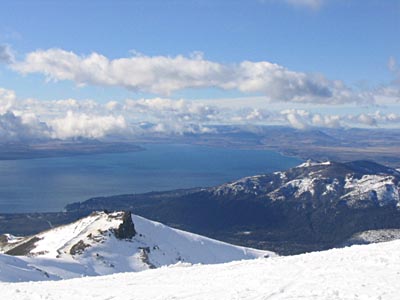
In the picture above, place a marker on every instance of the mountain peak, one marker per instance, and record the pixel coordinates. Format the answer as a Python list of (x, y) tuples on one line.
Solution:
[(355, 184), (105, 243)]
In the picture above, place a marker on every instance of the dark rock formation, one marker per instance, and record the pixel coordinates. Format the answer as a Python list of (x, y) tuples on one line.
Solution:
[(78, 248), (24, 248), (127, 229)]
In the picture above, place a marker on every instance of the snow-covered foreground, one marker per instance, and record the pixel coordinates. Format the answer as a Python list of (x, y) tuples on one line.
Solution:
[(358, 272)]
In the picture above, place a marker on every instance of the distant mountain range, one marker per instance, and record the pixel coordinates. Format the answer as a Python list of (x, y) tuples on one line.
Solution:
[(336, 144), (314, 206), (107, 243)]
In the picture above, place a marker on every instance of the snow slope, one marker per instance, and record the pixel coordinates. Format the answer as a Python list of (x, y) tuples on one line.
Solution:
[(90, 247), (357, 272)]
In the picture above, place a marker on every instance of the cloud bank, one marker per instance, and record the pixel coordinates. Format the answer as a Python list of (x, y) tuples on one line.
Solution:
[(26, 120), (164, 75)]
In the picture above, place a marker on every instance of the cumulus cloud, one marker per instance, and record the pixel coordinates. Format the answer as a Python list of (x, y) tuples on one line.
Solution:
[(90, 126), (298, 119), (22, 128), (366, 120), (7, 100), (386, 118), (331, 121), (173, 109), (6, 54), (256, 115), (164, 75), (158, 74), (17, 125)]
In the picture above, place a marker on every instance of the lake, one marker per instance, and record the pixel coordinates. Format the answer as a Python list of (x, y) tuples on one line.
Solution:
[(48, 184)]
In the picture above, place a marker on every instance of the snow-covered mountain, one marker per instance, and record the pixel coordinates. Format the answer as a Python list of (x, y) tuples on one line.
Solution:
[(357, 184), (314, 206), (357, 272), (107, 243)]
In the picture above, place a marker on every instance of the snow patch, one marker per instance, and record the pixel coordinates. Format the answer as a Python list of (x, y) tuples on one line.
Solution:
[(311, 163)]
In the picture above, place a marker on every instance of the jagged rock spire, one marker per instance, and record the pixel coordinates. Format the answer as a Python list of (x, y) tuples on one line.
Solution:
[(127, 229)]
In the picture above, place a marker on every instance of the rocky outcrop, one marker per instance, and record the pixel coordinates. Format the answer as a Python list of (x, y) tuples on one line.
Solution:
[(127, 229), (23, 248), (78, 248)]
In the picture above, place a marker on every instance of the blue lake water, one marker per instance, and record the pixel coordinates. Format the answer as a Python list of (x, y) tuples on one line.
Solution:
[(48, 184)]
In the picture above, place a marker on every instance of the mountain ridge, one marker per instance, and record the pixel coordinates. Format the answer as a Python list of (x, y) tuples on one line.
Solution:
[(314, 206), (94, 246)]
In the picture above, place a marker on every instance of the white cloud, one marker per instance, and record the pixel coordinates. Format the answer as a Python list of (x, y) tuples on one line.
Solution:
[(22, 128), (74, 125), (30, 119), (281, 84), (367, 120), (257, 115), (158, 74), (7, 100), (6, 54), (389, 118), (177, 128), (331, 121), (16, 125), (173, 109), (164, 75), (298, 119), (302, 119)]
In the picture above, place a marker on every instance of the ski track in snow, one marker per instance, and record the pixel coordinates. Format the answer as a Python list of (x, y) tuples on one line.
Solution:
[(358, 272)]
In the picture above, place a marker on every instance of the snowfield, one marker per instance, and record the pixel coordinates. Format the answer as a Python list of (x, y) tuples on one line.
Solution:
[(357, 272)]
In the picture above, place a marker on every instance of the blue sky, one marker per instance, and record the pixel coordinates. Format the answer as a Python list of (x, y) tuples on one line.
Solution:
[(320, 41)]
